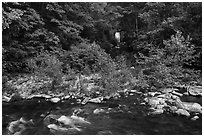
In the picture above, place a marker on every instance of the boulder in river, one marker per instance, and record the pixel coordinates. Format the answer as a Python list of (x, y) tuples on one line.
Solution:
[(173, 108), (154, 102), (177, 93), (104, 132), (182, 112), (192, 107), (97, 111), (6, 99), (72, 120), (195, 90), (157, 112), (49, 119), (167, 90), (195, 118), (153, 93), (96, 100), (55, 129), (18, 126), (55, 100)]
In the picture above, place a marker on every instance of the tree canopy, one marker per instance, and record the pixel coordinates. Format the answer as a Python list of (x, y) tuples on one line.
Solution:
[(29, 28)]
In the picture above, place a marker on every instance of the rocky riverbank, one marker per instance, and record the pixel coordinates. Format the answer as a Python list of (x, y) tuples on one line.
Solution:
[(159, 102)]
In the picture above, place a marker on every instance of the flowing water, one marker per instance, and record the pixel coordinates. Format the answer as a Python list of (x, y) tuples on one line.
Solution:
[(124, 116)]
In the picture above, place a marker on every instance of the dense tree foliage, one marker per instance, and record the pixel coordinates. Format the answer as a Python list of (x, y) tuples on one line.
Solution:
[(159, 35)]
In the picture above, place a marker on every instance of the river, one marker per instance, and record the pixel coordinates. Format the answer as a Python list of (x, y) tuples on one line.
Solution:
[(124, 116)]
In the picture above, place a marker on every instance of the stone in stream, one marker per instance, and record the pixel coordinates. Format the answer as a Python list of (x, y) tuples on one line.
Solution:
[(195, 118), (157, 112), (105, 132), (97, 111), (182, 112), (79, 111), (49, 119), (173, 108), (179, 103), (192, 107), (72, 120), (85, 101), (167, 90), (18, 126), (153, 93), (195, 90), (131, 94), (55, 129), (67, 97), (159, 106), (96, 100), (174, 97), (162, 96), (176, 93), (6, 99), (55, 100), (153, 101)]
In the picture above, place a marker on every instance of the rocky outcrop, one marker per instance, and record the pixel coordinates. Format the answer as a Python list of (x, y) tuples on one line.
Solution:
[(169, 100)]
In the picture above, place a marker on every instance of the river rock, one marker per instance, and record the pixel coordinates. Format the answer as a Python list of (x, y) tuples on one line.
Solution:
[(105, 132), (152, 93), (96, 100), (179, 103), (195, 118), (55, 129), (49, 119), (193, 107), (85, 100), (153, 101), (182, 112), (133, 91), (97, 111), (195, 90), (72, 120), (173, 108), (157, 112), (159, 106), (67, 97), (18, 126), (78, 111), (162, 96), (55, 100), (167, 90), (176, 93), (131, 94), (53, 126), (174, 97), (6, 99)]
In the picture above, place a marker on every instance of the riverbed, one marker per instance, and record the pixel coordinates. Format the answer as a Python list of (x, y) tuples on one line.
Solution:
[(124, 116)]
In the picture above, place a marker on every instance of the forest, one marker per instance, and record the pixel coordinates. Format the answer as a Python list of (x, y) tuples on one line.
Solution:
[(65, 56)]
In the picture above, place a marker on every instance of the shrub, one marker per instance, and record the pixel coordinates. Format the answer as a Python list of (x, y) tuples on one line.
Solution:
[(163, 67), (47, 65), (178, 50), (88, 58)]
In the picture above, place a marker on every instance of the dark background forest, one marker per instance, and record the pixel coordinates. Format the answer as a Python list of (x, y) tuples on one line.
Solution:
[(161, 43)]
